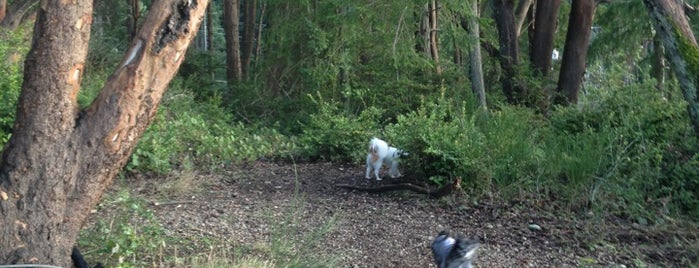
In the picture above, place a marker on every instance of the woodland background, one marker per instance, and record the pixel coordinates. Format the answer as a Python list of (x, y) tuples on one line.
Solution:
[(603, 129)]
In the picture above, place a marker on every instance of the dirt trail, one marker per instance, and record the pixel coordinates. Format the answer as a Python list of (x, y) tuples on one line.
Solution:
[(394, 229)]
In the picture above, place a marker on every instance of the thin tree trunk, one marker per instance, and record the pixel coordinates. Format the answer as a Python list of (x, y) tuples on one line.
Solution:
[(476, 61), (209, 29), (232, 19), (681, 49), (259, 32), (573, 64), (544, 32), (248, 35), (434, 42), (134, 16), (60, 160)]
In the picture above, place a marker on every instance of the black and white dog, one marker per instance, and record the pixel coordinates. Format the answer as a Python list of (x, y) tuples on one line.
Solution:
[(450, 252)]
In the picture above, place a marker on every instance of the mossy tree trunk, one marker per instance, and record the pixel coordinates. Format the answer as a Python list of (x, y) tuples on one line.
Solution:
[(60, 159), (671, 24)]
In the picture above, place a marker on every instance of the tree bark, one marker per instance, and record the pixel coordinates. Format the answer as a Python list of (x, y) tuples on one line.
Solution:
[(476, 61), (234, 70), (544, 32), (509, 49), (60, 159), (681, 49), (16, 11), (574, 60), (3, 9)]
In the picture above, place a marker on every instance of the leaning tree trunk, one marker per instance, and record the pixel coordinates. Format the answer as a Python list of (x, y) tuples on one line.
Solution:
[(681, 49), (60, 159), (574, 59)]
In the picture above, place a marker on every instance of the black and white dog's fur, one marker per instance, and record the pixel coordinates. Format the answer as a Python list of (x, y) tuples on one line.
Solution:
[(382, 154), (450, 252)]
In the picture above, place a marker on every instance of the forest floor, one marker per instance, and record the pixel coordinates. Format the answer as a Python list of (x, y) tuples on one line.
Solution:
[(258, 203)]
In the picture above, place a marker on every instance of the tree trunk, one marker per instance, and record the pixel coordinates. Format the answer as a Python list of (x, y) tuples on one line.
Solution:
[(574, 59), (544, 32), (424, 32), (248, 35), (59, 159), (681, 49), (16, 11), (234, 70), (509, 49), (476, 62)]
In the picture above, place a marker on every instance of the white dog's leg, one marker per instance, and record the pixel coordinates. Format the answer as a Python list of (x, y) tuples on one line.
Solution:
[(368, 166), (394, 170)]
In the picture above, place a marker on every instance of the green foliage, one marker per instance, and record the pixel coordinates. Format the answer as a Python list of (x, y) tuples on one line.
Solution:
[(331, 134), (627, 150), (12, 50), (203, 134)]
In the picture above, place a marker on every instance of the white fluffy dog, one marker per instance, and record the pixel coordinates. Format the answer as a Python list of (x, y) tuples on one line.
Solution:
[(382, 154)]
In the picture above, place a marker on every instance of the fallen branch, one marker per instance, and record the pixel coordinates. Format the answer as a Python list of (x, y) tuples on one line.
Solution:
[(431, 192)]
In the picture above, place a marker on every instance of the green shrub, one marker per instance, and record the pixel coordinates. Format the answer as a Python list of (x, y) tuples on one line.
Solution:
[(128, 238), (626, 150), (486, 149), (13, 48), (334, 135), (202, 134)]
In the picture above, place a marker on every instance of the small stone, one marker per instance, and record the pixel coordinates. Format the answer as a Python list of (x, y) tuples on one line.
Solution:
[(535, 227)]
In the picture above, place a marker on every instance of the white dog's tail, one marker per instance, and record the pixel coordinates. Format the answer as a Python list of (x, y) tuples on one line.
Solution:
[(373, 149)]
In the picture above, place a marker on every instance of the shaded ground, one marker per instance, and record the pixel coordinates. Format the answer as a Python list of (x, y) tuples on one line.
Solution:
[(245, 204)]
